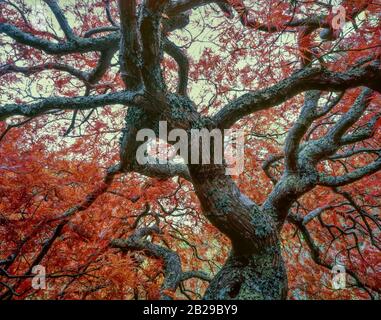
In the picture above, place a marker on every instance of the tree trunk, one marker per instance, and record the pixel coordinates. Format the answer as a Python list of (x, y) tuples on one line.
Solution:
[(255, 269), (259, 276)]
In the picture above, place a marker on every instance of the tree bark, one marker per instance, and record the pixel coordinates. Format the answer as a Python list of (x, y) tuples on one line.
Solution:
[(255, 269), (257, 276)]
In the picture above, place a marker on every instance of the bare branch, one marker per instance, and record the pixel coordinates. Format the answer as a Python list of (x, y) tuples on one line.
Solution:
[(317, 212), (299, 129), (61, 19), (317, 255), (168, 170), (352, 176), (130, 47), (354, 152), (63, 103), (268, 163), (179, 6), (172, 262), (108, 13), (195, 274), (102, 66), (350, 118), (97, 30), (303, 80), (47, 66), (81, 45), (364, 216), (361, 134), (150, 29), (183, 64)]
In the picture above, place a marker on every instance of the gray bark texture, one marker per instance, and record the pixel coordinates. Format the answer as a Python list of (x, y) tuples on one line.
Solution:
[(255, 268)]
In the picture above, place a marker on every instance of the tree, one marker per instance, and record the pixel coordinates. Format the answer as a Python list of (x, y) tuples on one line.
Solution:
[(301, 78)]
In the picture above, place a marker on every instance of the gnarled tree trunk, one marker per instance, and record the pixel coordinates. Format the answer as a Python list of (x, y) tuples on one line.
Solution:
[(255, 269), (252, 276)]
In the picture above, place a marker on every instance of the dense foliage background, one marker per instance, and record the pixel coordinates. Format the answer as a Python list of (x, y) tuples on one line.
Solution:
[(57, 161)]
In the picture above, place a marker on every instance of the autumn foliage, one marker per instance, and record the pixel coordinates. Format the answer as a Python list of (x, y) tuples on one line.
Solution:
[(63, 200)]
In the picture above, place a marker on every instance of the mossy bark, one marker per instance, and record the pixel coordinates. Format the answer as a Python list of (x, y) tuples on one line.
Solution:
[(255, 269), (259, 276)]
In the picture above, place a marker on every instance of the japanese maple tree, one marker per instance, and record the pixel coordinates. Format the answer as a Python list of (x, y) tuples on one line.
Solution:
[(79, 79)]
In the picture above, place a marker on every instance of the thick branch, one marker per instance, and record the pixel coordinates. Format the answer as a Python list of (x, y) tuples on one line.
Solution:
[(97, 30), (61, 19), (196, 274), (81, 45), (352, 176), (63, 103), (46, 66), (299, 129), (102, 66), (130, 48), (268, 163), (303, 80), (172, 262), (150, 29), (183, 64), (164, 171)]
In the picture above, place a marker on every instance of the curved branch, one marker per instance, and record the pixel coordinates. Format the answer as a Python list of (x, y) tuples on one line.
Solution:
[(27, 71), (299, 129), (300, 81), (196, 274), (350, 177), (317, 256), (80, 45), (130, 47), (183, 64), (150, 30), (354, 152), (87, 77), (268, 163), (63, 103), (361, 134), (163, 171), (97, 30), (108, 13), (102, 66), (172, 262), (351, 117), (61, 19)]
